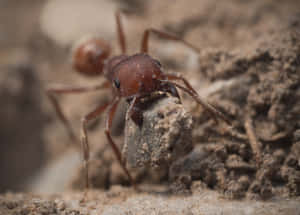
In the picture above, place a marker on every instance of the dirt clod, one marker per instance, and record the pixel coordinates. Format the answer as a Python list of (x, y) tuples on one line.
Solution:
[(164, 136)]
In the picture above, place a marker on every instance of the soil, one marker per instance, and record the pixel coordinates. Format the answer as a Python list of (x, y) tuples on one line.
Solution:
[(120, 200), (248, 68)]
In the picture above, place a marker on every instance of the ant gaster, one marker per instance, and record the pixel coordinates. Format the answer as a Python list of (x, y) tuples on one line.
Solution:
[(131, 77)]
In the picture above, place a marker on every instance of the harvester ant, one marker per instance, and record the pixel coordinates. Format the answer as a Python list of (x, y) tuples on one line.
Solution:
[(133, 77)]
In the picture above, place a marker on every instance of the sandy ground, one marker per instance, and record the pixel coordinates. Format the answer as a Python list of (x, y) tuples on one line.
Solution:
[(124, 201)]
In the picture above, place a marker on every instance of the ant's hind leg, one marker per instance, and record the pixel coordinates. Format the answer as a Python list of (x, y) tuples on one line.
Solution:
[(120, 30), (64, 89), (111, 114), (163, 35)]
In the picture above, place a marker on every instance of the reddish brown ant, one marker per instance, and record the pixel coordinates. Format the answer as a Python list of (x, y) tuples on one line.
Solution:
[(131, 77)]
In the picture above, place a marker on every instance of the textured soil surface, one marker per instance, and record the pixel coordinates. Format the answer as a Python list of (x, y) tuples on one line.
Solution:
[(248, 68), (124, 201)]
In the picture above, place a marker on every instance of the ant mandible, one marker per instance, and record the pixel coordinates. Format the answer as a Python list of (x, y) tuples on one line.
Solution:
[(131, 77)]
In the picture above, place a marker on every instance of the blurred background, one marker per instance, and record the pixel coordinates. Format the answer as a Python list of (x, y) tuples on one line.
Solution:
[(36, 37)]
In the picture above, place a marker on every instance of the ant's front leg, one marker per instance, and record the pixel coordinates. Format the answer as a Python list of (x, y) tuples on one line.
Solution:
[(65, 89), (84, 139), (134, 112), (111, 113), (193, 93), (176, 77)]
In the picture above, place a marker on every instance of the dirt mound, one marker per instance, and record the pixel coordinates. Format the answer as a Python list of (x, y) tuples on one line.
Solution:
[(262, 158)]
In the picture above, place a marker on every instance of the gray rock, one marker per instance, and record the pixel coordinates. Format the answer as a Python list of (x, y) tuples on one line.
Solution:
[(164, 136)]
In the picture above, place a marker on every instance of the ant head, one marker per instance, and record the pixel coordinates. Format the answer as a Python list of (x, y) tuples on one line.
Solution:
[(108, 71), (137, 75), (89, 54)]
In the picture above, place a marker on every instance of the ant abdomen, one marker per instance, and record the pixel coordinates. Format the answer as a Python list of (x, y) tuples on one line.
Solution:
[(89, 54)]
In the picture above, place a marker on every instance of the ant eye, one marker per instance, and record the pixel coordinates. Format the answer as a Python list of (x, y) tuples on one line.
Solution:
[(158, 63), (117, 83)]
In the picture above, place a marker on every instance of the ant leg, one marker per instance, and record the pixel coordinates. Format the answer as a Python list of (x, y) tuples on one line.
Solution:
[(111, 113), (134, 112), (175, 76), (120, 31), (53, 91), (164, 35), (212, 110), (84, 139)]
